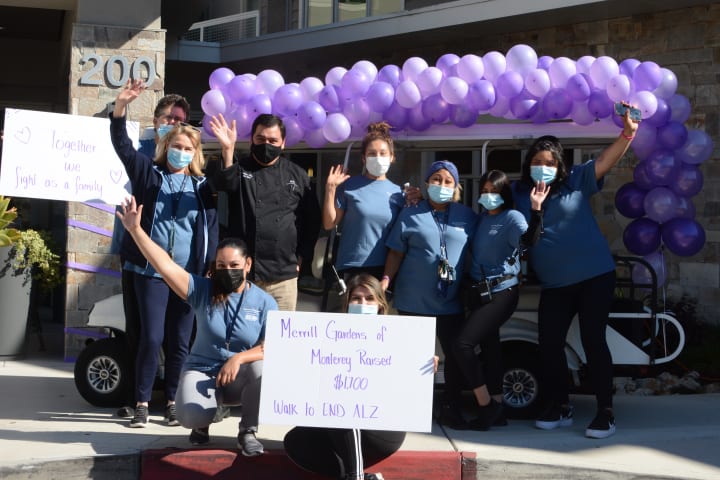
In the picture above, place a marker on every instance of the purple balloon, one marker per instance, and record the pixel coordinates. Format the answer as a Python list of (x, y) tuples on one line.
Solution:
[(495, 64), (454, 90), (241, 88), (600, 104), (580, 114), (579, 87), (642, 236), (641, 275), (698, 148), (510, 84), (268, 81), (329, 98), (315, 138), (561, 70), (640, 177), (661, 115), (335, 75), (688, 181), (206, 125), (537, 83), (429, 80), (544, 62), (618, 88), (628, 66), (584, 64), (668, 84), (220, 77), (396, 116), (685, 208), (660, 204), (357, 113), (481, 95), (435, 109), (647, 76), (661, 166), (311, 115), (390, 74), (448, 64), (501, 107), (293, 131), (524, 106), (259, 104), (680, 108), (557, 103), (412, 67), (672, 135), (213, 102), (645, 140), (683, 236), (287, 99), (244, 119), (463, 116), (337, 128), (629, 200), (380, 96), (407, 94), (603, 69), (470, 68), (355, 83), (417, 120)]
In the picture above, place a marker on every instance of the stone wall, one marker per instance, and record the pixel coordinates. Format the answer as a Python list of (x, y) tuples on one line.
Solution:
[(96, 272)]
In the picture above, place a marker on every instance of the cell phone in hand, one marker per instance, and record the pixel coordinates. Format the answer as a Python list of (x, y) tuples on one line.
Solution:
[(635, 113)]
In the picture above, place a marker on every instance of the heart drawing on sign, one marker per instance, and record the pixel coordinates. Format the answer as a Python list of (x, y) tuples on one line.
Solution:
[(116, 176), (23, 135)]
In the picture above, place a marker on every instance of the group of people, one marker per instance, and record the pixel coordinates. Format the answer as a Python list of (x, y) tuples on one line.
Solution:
[(180, 279)]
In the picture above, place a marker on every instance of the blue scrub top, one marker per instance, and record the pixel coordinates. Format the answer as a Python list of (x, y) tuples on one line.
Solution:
[(571, 248), (494, 244), (416, 234), (370, 208)]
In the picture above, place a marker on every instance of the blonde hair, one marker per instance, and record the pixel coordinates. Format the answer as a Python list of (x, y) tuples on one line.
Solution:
[(371, 283), (198, 161)]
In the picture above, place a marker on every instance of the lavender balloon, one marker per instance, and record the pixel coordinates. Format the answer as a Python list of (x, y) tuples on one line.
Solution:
[(557, 103), (481, 95), (661, 167), (220, 77), (213, 102), (336, 128), (412, 67), (660, 204), (697, 148), (311, 115), (396, 116), (417, 120), (672, 135), (688, 181), (561, 69), (579, 87), (599, 104), (390, 74), (523, 106), (522, 59), (618, 88), (495, 64), (408, 94), (448, 64), (537, 82), (668, 84), (510, 84), (435, 109), (680, 108), (287, 99), (293, 131), (641, 179), (329, 98), (603, 69), (241, 88), (647, 76), (429, 80), (661, 115), (454, 90), (380, 96), (641, 275), (463, 116), (470, 68)]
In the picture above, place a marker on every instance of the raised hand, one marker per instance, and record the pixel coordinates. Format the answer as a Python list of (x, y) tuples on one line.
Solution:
[(132, 90), (336, 176), (130, 214), (225, 134), (538, 194)]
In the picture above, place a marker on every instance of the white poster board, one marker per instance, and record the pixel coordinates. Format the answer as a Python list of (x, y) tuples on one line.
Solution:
[(373, 372), (62, 157)]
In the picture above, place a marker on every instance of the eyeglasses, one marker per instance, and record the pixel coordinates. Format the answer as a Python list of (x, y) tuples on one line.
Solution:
[(172, 118), (185, 124)]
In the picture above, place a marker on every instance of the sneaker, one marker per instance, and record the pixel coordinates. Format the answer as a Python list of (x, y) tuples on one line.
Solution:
[(249, 445), (602, 426), (487, 416), (450, 416), (221, 413), (171, 415), (125, 412), (200, 436), (555, 416), (140, 419)]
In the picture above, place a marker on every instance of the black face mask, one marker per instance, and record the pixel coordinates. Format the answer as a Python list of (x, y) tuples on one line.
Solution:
[(265, 152), (229, 279)]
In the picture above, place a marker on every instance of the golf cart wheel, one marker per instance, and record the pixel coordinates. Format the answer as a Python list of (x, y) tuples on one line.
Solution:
[(101, 373), (521, 385)]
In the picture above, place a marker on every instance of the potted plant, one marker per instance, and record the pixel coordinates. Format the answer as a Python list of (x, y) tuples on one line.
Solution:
[(26, 258)]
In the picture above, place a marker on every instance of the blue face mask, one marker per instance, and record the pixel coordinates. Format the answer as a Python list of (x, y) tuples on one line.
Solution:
[(178, 159), (363, 308), (440, 194), (490, 201), (163, 130), (541, 173)]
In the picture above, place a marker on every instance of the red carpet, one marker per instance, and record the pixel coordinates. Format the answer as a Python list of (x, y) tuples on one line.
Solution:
[(198, 464)]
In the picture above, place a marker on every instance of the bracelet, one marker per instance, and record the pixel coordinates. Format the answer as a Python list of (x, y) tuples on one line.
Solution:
[(385, 277), (626, 137)]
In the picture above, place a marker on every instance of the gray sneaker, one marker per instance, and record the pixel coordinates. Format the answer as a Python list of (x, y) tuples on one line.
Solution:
[(249, 445)]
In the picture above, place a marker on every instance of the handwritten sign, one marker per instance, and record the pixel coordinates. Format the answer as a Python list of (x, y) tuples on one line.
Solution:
[(373, 372), (62, 157)]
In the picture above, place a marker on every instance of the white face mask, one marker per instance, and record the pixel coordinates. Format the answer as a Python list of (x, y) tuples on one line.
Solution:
[(363, 308), (377, 166)]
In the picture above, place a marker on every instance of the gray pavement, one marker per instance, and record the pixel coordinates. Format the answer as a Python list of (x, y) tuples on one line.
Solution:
[(48, 431)]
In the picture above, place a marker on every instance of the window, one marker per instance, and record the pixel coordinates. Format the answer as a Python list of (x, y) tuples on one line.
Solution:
[(323, 12)]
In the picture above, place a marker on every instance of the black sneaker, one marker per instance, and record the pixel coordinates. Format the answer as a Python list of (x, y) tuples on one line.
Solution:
[(140, 419), (125, 412), (602, 426), (487, 416), (450, 416), (221, 413), (555, 416), (171, 415), (200, 436), (248, 444)]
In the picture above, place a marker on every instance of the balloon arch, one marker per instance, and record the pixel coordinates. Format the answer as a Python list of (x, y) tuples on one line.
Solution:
[(518, 86)]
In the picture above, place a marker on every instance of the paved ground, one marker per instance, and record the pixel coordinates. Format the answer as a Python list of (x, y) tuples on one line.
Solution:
[(43, 419)]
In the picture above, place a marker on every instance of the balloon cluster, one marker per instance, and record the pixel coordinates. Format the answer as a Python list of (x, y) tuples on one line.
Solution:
[(518, 85)]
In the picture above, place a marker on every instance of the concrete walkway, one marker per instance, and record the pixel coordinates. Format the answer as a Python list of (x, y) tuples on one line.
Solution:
[(48, 431)]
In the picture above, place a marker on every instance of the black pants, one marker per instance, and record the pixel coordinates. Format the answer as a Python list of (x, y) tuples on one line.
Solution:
[(332, 451), (483, 328), (591, 301), (447, 328), (132, 327)]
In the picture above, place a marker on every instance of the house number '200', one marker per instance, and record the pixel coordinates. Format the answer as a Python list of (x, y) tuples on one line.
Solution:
[(90, 78)]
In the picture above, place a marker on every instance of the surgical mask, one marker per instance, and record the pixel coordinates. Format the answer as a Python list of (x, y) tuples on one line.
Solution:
[(179, 159), (541, 173), (265, 152), (490, 201), (440, 194), (229, 279), (363, 308), (377, 166), (163, 130)]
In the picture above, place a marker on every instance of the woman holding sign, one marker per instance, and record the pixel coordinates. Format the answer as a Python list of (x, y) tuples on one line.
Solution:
[(225, 364), (339, 452), (180, 217)]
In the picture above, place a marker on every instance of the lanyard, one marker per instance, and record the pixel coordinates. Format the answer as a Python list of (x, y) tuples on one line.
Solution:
[(230, 325), (442, 227), (175, 204)]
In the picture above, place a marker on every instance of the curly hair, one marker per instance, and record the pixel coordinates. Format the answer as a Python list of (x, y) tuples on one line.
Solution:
[(378, 131)]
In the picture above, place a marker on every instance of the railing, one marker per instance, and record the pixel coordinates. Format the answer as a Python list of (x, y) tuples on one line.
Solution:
[(225, 29)]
